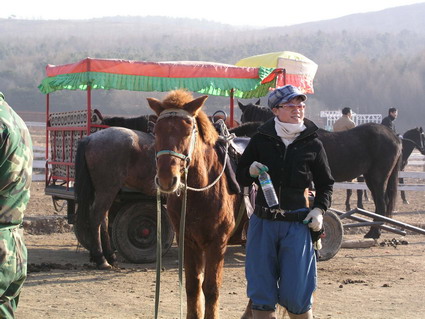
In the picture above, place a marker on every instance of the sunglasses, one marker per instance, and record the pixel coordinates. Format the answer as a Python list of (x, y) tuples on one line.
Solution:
[(291, 105)]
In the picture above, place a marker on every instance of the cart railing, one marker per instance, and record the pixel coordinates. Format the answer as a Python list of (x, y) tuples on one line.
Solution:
[(63, 131)]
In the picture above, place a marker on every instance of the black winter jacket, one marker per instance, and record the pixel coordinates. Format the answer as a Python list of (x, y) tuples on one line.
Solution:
[(389, 122), (291, 169)]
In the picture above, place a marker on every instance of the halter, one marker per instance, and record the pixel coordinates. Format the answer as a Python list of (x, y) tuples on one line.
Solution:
[(187, 158), (186, 115)]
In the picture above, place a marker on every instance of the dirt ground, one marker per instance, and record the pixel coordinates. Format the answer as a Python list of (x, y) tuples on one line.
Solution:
[(383, 281)]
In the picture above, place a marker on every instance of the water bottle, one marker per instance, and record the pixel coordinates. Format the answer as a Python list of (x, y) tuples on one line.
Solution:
[(268, 189)]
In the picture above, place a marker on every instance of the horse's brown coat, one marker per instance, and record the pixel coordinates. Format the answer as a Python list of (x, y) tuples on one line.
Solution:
[(210, 214), (106, 161)]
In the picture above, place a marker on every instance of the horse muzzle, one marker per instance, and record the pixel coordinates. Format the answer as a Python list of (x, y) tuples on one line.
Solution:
[(168, 185)]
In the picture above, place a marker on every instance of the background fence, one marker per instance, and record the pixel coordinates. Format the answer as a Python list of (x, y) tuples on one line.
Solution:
[(415, 160)]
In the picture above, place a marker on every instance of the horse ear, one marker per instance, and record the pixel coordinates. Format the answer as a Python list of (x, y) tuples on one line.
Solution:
[(241, 106), (155, 105), (258, 102), (193, 106)]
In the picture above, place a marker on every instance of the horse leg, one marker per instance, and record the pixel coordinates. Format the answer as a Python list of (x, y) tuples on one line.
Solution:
[(108, 251), (403, 193), (347, 200), (194, 265), (360, 198), (214, 257), (376, 186), (97, 219), (366, 197), (360, 179)]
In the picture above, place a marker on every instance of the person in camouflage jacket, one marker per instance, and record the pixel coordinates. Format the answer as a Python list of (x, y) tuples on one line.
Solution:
[(15, 179)]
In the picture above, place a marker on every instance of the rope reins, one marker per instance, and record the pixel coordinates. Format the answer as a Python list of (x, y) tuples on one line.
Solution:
[(421, 148)]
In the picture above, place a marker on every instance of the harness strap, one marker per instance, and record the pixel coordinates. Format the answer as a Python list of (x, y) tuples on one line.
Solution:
[(172, 153), (419, 147)]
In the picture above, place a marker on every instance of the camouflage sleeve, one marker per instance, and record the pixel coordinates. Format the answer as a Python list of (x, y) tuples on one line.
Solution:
[(15, 165)]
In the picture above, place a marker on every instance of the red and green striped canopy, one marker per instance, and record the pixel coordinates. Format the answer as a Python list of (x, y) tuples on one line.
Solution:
[(203, 77)]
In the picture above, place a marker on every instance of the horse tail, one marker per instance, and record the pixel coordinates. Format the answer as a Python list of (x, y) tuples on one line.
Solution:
[(83, 191), (391, 192)]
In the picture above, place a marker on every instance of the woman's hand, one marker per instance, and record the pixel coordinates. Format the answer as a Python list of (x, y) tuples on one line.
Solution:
[(314, 219), (256, 169)]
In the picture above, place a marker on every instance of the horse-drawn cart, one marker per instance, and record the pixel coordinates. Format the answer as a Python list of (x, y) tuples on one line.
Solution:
[(132, 217)]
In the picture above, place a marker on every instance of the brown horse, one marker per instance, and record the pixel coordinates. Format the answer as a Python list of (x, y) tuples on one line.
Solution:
[(105, 162), (184, 140)]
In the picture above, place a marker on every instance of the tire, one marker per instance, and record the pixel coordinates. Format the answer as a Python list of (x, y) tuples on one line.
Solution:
[(334, 231), (134, 232)]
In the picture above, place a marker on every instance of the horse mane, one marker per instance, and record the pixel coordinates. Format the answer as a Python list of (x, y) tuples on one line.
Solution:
[(139, 123), (178, 99), (411, 132)]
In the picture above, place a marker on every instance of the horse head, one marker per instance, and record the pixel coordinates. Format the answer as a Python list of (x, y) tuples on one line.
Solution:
[(416, 138), (422, 141), (180, 126), (254, 112)]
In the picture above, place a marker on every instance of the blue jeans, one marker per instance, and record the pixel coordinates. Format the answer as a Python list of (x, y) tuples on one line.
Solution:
[(280, 265)]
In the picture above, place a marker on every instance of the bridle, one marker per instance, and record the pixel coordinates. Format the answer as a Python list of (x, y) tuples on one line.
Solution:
[(187, 158), (185, 115)]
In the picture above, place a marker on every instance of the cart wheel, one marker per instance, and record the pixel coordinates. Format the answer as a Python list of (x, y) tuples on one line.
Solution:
[(331, 243), (134, 232)]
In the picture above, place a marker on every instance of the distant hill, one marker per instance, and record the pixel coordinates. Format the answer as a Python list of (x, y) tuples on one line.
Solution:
[(393, 20), (369, 61)]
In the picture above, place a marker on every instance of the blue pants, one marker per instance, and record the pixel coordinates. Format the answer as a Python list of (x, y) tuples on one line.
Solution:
[(280, 265)]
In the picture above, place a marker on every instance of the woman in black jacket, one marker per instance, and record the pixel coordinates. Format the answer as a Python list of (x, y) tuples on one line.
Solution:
[(280, 260)]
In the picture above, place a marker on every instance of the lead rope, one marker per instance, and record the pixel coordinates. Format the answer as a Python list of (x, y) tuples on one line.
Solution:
[(181, 239), (158, 251), (159, 246)]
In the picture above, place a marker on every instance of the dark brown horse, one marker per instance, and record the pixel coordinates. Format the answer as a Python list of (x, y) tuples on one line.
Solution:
[(371, 150), (412, 139), (107, 161), (185, 139)]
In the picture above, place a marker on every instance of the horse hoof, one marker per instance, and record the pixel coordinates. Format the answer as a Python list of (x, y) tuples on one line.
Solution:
[(373, 233), (360, 206), (347, 208), (406, 202), (112, 260), (104, 266)]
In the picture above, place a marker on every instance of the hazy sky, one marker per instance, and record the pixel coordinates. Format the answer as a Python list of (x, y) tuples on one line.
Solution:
[(235, 12)]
